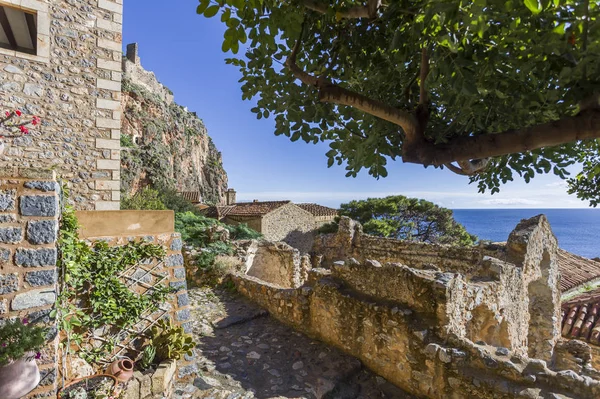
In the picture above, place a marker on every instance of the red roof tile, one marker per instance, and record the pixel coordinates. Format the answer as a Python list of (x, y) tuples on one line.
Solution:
[(581, 317), (576, 270), (192, 196), (318, 210), (243, 209)]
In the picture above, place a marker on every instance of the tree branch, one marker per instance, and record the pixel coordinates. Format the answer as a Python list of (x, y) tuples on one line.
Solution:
[(423, 76), (469, 168), (583, 126), (368, 11)]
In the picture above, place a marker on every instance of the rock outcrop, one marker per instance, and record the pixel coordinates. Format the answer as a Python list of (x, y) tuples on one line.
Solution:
[(163, 144)]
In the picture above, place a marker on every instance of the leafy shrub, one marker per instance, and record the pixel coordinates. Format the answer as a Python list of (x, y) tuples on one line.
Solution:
[(18, 337), (242, 232), (328, 228), (147, 357), (171, 342), (126, 141), (146, 199)]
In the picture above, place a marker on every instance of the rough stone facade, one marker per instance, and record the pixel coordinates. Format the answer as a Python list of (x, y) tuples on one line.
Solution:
[(29, 211), (74, 85), (277, 263), (439, 322), (291, 224)]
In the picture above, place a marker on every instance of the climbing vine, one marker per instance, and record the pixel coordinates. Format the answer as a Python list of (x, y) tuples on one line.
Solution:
[(93, 294)]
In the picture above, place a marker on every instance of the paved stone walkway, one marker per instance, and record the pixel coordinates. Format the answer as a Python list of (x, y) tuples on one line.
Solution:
[(243, 353)]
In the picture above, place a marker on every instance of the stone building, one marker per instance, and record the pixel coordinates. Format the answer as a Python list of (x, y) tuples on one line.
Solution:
[(322, 214), (61, 61), (275, 220)]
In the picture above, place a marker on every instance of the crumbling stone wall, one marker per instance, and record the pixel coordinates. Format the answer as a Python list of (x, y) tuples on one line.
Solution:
[(75, 87), (133, 70), (29, 210), (440, 322), (276, 263)]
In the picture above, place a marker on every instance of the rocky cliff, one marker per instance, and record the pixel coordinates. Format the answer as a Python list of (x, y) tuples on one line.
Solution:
[(163, 144)]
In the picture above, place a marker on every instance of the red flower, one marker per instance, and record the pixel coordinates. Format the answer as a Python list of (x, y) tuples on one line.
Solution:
[(7, 113), (18, 112), (23, 129), (25, 321), (36, 120), (38, 355)]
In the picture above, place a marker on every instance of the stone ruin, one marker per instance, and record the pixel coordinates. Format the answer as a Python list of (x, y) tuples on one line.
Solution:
[(437, 321)]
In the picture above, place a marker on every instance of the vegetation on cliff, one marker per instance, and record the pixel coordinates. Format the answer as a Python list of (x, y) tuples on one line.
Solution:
[(166, 147), (489, 89)]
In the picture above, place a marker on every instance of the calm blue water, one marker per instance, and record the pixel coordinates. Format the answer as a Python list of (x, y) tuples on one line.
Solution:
[(577, 230)]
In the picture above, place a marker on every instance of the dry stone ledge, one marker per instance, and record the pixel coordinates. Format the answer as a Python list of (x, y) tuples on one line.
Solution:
[(155, 385)]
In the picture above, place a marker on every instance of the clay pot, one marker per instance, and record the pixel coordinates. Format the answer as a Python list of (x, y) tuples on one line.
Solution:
[(19, 377), (121, 369)]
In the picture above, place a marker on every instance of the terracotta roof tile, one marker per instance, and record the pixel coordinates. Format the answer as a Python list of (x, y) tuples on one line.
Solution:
[(581, 317), (243, 209), (258, 208), (192, 196), (576, 270), (318, 210)]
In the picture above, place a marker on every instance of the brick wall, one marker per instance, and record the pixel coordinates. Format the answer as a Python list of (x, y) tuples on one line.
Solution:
[(74, 85), (29, 209)]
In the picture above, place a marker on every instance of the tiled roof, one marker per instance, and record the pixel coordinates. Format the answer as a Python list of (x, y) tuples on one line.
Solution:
[(576, 270), (255, 208), (243, 209), (581, 317), (318, 210), (192, 196)]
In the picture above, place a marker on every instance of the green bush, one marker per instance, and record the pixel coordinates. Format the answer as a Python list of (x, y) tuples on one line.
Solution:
[(146, 199), (328, 228), (171, 342)]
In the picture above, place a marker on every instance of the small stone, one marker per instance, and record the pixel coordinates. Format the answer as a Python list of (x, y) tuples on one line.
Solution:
[(9, 283), (253, 355), (80, 368), (174, 260), (373, 263), (176, 244), (187, 370), (41, 278), (11, 235), (263, 346), (224, 349), (35, 257), (183, 300), (7, 200), (7, 218), (13, 69), (39, 205), (3, 306), (274, 373), (42, 231), (141, 275), (178, 285), (502, 351), (182, 315), (297, 365), (32, 299), (179, 273), (45, 186), (31, 89), (444, 356)]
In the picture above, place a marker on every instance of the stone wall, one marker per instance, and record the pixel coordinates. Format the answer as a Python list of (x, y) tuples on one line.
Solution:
[(276, 263), (485, 327), (74, 85), (133, 70), (291, 224), (155, 227), (29, 210)]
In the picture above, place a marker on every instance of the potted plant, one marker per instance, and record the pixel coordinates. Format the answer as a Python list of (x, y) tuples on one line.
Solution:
[(20, 343)]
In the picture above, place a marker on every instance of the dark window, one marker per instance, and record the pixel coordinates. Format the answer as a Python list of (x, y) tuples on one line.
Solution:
[(18, 30)]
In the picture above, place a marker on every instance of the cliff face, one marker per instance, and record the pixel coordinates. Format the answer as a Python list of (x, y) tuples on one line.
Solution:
[(163, 144)]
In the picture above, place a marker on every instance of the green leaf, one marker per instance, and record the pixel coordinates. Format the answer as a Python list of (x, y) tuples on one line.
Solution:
[(211, 11), (533, 6), (226, 15), (203, 4), (560, 29)]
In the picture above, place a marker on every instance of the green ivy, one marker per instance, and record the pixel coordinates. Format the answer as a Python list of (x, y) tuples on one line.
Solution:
[(92, 294)]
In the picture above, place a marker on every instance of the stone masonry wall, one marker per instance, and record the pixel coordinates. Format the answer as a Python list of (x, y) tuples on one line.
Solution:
[(277, 263), (75, 87), (291, 224), (485, 327), (29, 211)]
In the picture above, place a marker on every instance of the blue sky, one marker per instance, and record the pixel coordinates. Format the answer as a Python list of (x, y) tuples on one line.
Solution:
[(184, 51)]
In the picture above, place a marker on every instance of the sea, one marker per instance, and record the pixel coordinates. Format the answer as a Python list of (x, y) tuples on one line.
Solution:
[(577, 230)]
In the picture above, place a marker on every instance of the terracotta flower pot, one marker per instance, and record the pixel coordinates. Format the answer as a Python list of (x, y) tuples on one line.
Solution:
[(121, 369), (19, 378)]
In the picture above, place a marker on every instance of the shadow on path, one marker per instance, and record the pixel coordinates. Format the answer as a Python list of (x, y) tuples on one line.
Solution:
[(244, 353)]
